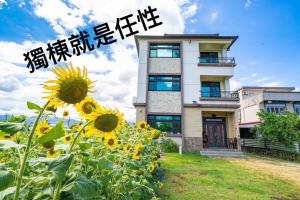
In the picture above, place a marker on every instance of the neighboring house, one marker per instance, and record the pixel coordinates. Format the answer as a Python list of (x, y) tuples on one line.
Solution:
[(270, 99), (183, 89)]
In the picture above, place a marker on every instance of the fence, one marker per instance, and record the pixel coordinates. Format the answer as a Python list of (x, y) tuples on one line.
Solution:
[(267, 148)]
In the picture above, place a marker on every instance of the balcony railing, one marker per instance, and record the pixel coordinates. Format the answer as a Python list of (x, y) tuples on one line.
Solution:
[(222, 95), (227, 61)]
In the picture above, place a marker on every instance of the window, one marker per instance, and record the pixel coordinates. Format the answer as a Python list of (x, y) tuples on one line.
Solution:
[(164, 51), (164, 83), (297, 108), (275, 107), (210, 89), (209, 57), (167, 123)]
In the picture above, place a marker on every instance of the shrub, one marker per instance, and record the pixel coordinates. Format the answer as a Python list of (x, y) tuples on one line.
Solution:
[(168, 145)]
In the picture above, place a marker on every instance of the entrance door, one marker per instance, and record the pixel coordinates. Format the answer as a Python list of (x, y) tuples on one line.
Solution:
[(215, 129)]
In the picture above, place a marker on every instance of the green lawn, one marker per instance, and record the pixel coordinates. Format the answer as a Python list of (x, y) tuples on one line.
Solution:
[(191, 176)]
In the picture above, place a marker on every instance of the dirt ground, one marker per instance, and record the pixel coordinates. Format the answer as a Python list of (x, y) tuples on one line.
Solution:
[(283, 169)]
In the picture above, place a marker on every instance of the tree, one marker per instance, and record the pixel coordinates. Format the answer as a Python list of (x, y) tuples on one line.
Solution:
[(283, 128)]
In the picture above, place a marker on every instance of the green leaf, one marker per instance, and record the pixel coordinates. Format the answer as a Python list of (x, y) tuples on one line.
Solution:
[(82, 188), (60, 166), (7, 191), (7, 144), (6, 179), (33, 106), (56, 132), (10, 127)]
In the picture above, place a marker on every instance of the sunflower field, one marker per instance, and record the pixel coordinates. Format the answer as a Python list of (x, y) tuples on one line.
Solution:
[(100, 157)]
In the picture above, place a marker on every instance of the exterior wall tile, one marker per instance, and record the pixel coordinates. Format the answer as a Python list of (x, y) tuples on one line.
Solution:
[(140, 113), (168, 102), (192, 144), (164, 65)]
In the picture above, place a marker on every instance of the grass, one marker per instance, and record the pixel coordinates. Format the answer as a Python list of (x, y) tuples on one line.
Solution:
[(193, 177)]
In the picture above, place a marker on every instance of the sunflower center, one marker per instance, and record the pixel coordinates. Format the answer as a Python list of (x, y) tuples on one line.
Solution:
[(67, 138), (111, 142), (44, 129), (143, 125), (88, 107), (106, 122), (73, 91)]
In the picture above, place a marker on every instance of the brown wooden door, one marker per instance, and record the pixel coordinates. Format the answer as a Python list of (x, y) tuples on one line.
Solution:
[(216, 131)]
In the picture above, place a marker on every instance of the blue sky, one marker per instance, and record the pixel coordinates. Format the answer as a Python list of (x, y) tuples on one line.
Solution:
[(267, 51)]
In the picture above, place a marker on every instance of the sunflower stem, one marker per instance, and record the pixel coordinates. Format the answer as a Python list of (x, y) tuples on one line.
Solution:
[(58, 185), (25, 155), (78, 134)]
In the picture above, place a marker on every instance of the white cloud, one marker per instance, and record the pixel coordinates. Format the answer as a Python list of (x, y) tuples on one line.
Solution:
[(264, 79), (190, 10), (213, 16), (248, 3), (115, 75), (271, 84), (2, 3), (235, 84)]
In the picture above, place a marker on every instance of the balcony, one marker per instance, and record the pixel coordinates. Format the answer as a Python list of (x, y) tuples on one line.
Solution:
[(217, 61), (219, 96)]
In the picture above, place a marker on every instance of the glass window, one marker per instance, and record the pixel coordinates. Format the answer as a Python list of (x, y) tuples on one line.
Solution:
[(209, 57), (297, 108), (164, 51), (210, 89), (275, 107), (167, 123), (164, 83)]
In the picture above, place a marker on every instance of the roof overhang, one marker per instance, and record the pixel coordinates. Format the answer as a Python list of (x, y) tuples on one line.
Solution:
[(185, 36)]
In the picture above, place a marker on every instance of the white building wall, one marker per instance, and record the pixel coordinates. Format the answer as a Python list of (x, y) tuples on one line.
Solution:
[(142, 72)]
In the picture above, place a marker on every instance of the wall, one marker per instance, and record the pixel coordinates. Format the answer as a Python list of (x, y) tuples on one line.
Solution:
[(163, 101), (140, 113), (164, 65)]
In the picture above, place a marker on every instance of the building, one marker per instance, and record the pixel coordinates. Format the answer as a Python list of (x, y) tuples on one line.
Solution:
[(270, 99), (183, 88)]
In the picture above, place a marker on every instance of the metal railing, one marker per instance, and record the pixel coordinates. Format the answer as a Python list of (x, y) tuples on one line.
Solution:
[(219, 94), (218, 61)]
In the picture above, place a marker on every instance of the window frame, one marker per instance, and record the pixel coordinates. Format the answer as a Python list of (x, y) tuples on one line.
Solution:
[(173, 120), (209, 59), (276, 107), (218, 93), (174, 47), (158, 78), (297, 108)]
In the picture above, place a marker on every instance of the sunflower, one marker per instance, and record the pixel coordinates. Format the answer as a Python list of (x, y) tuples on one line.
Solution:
[(142, 125), (87, 106), (52, 153), (52, 107), (66, 113), (155, 133), (70, 87), (137, 151), (68, 139), (111, 141), (152, 167), (7, 137), (42, 128), (105, 121)]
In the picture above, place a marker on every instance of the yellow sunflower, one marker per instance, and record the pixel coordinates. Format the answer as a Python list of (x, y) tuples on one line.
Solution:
[(71, 86), (155, 133), (87, 106), (111, 141), (137, 151), (142, 125), (52, 153), (66, 113), (152, 167), (52, 107), (105, 121), (42, 128), (7, 137), (67, 139)]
